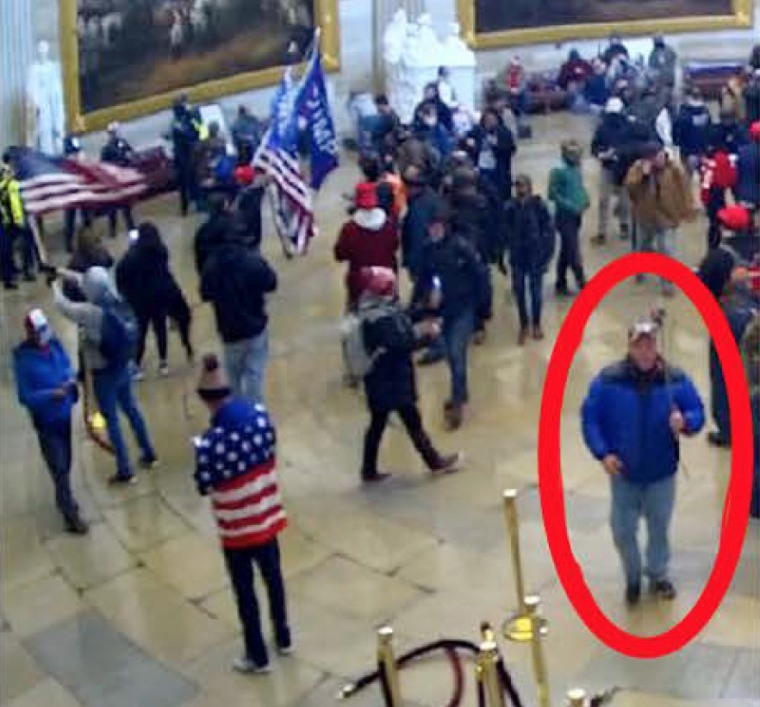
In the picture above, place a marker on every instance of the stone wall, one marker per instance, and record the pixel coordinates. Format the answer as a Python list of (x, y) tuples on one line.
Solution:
[(358, 42)]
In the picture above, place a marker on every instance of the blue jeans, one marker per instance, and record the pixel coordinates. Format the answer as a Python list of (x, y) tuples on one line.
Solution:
[(113, 390), (535, 281), (246, 363), (457, 333), (55, 444), (654, 502)]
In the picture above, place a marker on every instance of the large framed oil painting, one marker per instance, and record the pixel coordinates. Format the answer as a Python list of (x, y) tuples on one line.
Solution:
[(126, 58), (489, 24)]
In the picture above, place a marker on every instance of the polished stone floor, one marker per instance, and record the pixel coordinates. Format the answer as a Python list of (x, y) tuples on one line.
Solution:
[(139, 612)]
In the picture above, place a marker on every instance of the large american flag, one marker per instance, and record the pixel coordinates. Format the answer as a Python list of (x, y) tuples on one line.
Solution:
[(49, 184), (292, 200)]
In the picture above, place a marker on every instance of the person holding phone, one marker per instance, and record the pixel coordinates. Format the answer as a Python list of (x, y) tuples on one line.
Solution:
[(634, 416)]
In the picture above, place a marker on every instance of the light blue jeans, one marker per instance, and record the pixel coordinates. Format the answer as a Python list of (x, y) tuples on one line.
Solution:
[(246, 363), (654, 502), (657, 240)]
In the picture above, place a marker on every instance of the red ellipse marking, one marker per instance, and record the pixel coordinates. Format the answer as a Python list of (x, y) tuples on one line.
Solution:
[(736, 509)]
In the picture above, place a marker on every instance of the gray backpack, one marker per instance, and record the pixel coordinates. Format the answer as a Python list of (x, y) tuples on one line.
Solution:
[(359, 361)]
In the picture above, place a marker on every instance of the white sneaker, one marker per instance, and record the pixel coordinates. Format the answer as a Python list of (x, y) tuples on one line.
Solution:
[(138, 375), (285, 650), (163, 370), (248, 667)]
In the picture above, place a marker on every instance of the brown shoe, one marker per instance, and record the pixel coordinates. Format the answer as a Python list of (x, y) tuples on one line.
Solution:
[(538, 333), (448, 465), (453, 416), (522, 337)]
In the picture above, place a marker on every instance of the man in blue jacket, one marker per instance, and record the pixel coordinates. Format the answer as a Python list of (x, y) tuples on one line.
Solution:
[(633, 417), (47, 387)]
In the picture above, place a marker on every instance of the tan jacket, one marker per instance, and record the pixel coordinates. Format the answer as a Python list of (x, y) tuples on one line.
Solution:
[(661, 199)]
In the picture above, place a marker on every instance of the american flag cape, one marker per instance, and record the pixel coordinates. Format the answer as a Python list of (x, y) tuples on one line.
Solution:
[(49, 184), (277, 156)]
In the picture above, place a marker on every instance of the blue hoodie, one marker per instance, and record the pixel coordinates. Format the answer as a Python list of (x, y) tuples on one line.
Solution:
[(39, 373)]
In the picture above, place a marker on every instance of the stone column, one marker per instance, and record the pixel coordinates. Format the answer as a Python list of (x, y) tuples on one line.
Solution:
[(16, 52)]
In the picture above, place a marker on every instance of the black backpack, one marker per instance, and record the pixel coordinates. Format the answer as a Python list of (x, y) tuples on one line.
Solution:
[(118, 334)]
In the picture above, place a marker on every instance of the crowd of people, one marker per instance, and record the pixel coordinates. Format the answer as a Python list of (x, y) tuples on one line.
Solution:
[(441, 202)]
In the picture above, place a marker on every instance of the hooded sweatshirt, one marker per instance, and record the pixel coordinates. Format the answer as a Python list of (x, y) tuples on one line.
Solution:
[(369, 239), (98, 288), (693, 127)]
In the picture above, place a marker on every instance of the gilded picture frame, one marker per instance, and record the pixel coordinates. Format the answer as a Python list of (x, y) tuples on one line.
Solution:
[(79, 120), (740, 17)]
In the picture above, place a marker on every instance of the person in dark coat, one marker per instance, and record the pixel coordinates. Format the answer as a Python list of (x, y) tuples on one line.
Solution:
[(119, 152), (148, 285), (236, 281), (432, 97), (473, 217), (492, 146), (729, 134), (185, 135), (453, 271), (747, 188), (531, 240), (610, 141), (421, 207), (390, 385), (212, 233), (752, 98), (248, 205), (692, 130), (740, 307), (429, 128)]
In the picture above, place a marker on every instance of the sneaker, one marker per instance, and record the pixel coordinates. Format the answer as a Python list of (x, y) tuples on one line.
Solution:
[(716, 439), (118, 479), (562, 291), (663, 589), (248, 667), (163, 369), (538, 333), (76, 526), (448, 465), (138, 375), (285, 650), (375, 477), (633, 594), (148, 463)]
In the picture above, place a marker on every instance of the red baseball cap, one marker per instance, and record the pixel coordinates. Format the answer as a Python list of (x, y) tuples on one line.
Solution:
[(735, 218), (366, 196), (244, 175)]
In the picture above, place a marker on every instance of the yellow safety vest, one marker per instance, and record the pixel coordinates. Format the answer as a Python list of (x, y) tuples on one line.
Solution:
[(11, 205), (201, 129)]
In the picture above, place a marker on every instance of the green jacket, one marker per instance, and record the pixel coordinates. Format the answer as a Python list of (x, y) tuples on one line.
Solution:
[(566, 189)]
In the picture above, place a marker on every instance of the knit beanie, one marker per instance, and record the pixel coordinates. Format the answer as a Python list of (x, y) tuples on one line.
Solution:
[(213, 383)]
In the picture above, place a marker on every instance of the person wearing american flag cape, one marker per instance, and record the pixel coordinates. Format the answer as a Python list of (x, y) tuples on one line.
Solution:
[(235, 467)]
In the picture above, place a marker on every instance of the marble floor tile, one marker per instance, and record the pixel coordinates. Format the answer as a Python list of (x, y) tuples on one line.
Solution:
[(18, 668), (157, 617), (47, 692), (143, 522)]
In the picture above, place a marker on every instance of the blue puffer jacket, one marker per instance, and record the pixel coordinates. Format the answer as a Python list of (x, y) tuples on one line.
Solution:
[(627, 413), (39, 373)]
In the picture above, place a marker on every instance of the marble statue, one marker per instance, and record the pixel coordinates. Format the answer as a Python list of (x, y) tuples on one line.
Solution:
[(46, 123), (394, 36), (455, 50)]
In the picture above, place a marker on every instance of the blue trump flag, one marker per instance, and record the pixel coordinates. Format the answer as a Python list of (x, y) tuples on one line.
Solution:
[(314, 109), (283, 132)]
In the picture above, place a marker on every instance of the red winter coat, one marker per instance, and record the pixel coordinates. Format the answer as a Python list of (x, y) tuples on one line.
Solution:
[(369, 239), (718, 171)]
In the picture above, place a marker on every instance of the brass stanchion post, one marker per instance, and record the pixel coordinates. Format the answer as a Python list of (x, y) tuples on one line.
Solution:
[(538, 631), (576, 698), (487, 672), (386, 660), (513, 530)]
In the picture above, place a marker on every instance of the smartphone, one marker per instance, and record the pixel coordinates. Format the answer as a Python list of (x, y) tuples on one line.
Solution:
[(134, 234)]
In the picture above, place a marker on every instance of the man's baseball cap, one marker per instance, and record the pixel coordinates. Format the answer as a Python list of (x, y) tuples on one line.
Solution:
[(644, 326)]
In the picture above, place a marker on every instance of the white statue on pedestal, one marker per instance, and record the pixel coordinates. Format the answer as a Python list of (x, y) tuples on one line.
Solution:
[(394, 36), (455, 51), (46, 123)]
